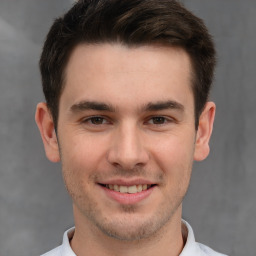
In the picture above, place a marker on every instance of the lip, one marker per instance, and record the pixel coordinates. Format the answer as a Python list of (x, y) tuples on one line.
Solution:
[(122, 182), (126, 198)]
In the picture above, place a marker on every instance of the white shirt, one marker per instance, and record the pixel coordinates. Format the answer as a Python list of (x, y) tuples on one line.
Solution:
[(191, 248)]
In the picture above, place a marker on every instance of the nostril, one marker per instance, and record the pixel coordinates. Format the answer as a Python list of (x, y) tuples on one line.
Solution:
[(127, 155)]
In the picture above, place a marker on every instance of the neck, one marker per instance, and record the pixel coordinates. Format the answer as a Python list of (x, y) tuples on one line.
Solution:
[(89, 240)]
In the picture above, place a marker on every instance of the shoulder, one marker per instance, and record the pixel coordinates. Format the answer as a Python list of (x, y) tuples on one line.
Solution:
[(54, 252), (207, 251)]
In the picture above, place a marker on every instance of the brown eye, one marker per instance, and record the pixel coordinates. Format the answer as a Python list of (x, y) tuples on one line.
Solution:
[(158, 120), (97, 120)]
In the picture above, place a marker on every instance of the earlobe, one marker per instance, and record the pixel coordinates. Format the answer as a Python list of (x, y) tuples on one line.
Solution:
[(45, 125), (204, 132)]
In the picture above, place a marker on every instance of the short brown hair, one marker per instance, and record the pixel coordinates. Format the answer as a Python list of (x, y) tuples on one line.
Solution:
[(129, 22)]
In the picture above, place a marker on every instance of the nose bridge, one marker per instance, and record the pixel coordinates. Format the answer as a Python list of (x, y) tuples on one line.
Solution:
[(128, 149)]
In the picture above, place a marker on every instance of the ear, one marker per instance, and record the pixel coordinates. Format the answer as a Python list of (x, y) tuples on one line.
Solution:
[(204, 132), (45, 125)]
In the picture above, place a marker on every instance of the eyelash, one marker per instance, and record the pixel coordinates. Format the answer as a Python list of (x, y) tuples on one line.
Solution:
[(90, 119), (165, 120)]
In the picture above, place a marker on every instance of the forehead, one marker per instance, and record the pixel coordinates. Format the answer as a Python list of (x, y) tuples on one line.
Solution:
[(111, 72)]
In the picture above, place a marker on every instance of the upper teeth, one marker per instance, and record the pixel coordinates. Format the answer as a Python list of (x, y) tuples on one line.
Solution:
[(128, 189)]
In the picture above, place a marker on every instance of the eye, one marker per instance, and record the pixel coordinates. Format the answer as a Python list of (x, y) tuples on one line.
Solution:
[(95, 120), (158, 120)]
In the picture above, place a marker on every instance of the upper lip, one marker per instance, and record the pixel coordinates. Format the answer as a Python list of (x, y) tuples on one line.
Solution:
[(126, 182)]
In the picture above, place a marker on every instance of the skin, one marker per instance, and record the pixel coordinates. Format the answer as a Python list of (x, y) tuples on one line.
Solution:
[(145, 130)]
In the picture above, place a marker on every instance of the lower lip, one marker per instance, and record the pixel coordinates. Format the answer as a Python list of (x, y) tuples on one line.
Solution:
[(126, 198)]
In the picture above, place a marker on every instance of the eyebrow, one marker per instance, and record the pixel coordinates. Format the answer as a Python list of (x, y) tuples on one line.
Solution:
[(163, 105), (151, 106), (92, 105)]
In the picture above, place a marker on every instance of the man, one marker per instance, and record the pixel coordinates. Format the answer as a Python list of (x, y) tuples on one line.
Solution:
[(127, 112)]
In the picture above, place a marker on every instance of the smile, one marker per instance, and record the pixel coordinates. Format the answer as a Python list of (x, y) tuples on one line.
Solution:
[(128, 189), (128, 192)]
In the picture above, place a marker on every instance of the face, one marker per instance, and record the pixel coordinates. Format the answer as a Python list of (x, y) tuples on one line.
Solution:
[(126, 137)]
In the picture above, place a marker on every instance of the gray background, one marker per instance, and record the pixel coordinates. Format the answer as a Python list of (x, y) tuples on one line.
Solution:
[(35, 210)]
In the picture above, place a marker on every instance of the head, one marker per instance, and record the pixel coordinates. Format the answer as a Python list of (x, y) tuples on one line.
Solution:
[(126, 83), (131, 23)]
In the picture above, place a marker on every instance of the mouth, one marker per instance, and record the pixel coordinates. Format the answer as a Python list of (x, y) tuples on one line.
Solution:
[(133, 189), (126, 192)]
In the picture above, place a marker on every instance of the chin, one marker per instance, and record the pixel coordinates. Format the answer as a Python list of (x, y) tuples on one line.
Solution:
[(132, 227), (128, 232)]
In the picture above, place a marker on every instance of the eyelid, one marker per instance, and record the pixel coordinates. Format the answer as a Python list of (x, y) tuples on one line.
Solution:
[(107, 120), (89, 118), (167, 119)]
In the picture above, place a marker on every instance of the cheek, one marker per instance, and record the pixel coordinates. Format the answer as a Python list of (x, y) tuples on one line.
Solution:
[(83, 152), (174, 150), (174, 156)]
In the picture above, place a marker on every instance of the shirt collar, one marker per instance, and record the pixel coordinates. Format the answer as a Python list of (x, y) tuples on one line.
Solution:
[(65, 247), (190, 248)]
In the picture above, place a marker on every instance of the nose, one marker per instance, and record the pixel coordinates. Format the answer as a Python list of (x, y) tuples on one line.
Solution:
[(127, 149)]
